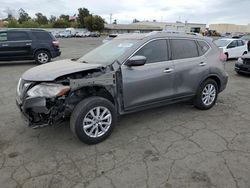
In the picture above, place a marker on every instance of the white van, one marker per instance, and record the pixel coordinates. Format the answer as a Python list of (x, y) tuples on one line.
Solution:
[(71, 31)]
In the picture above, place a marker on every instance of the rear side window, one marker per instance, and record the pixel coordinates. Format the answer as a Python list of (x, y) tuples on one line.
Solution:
[(18, 36), (42, 35), (183, 48), (155, 51), (3, 36), (203, 47), (240, 43)]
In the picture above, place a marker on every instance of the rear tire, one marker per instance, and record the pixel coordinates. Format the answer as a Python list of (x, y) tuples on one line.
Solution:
[(93, 120), (206, 95), (42, 57)]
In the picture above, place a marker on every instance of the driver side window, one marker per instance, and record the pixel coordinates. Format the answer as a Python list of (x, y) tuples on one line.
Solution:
[(155, 51)]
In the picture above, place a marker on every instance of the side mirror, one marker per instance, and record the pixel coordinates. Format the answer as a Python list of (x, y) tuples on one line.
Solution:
[(136, 61)]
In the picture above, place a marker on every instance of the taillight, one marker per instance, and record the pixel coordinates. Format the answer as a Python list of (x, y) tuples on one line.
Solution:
[(223, 57), (55, 43)]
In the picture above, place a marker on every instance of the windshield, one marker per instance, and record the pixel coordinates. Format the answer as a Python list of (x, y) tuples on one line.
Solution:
[(246, 37), (108, 52), (221, 42)]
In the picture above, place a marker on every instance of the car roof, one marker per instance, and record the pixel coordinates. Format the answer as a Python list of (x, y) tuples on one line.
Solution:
[(229, 39), (158, 34), (29, 30)]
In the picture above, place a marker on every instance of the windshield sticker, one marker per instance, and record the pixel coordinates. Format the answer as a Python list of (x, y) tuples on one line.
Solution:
[(125, 45)]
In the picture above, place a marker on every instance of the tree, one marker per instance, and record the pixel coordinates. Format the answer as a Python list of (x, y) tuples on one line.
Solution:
[(52, 19), (88, 22), (23, 16), (10, 13), (115, 22), (64, 17), (41, 19), (30, 24), (61, 23), (97, 23), (13, 23), (94, 23), (135, 20), (82, 14)]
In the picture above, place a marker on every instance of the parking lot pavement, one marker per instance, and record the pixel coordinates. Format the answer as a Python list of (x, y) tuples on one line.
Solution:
[(174, 146)]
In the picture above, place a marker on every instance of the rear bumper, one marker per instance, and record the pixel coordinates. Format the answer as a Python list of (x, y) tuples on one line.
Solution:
[(224, 81), (55, 53), (242, 68)]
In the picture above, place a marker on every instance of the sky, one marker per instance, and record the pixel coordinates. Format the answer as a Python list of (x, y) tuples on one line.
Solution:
[(124, 11)]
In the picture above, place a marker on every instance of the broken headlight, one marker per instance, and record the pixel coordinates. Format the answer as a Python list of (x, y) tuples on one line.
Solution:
[(240, 61), (48, 90)]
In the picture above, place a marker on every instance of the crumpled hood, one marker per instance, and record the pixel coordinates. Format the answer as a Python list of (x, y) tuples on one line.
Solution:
[(53, 70)]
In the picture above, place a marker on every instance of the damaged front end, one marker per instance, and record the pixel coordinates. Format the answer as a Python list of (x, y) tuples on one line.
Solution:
[(48, 103), (41, 104)]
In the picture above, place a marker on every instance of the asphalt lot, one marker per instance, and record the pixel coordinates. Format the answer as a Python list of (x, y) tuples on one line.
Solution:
[(176, 146)]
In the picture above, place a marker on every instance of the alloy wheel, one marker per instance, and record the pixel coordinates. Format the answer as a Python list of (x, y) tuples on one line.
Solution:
[(208, 94), (97, 122), (43, 57)]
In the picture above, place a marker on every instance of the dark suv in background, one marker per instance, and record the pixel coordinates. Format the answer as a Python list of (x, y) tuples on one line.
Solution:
[(29, 44)]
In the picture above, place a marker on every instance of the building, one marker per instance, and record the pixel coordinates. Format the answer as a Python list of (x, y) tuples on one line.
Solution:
[(230, 28), (177, 26), (146, 26), (130, 28)]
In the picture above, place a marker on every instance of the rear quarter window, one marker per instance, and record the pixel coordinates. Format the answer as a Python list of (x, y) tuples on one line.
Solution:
[(240, 43), (183, 48), (3, 37), (42, 35), (203, 47)]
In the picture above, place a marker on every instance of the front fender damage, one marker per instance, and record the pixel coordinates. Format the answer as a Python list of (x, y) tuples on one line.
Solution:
[(107, 79), (43, 112)]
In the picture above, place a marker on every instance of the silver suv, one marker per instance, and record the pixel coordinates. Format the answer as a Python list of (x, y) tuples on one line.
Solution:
[(130, 73)]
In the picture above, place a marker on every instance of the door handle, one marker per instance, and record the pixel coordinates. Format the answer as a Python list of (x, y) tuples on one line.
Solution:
[(202, 64), (4, 45), (168, 70), (28, 44)]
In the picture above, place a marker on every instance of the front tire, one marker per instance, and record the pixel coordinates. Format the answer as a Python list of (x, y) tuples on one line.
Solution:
[(93, 120), (206, 95), (42, 57)]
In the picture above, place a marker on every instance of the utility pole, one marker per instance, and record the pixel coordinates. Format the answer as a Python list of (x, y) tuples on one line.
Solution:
[(110, 18)]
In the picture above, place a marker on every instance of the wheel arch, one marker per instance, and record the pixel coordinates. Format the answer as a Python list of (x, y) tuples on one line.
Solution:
[(215, 78), (227, 54), (96, 90), (42, 49)]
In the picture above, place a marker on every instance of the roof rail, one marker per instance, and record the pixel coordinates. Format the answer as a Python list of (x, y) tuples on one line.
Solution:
[(173, 32)]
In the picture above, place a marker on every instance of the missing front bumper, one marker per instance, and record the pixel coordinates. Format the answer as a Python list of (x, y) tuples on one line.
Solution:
[(34, 111)]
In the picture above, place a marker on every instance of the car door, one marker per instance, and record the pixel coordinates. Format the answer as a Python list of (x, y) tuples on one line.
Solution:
[(3, 45), (19, 44), (233, 49), (152, 82), (190, 65), (242, 47)]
